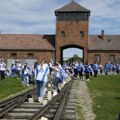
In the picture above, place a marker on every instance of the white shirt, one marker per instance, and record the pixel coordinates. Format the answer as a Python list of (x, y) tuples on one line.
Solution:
[(26, 71), (2, 66), (42, 72), (19, 66), (56, 72)]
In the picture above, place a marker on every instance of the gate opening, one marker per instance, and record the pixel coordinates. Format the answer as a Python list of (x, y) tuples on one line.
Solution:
[(68, 54)]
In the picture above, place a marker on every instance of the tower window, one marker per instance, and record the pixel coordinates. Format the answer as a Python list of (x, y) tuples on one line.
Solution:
[(72, 16), (63, 33), (81, 34)]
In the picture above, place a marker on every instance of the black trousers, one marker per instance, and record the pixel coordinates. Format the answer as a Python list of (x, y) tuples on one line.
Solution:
[(95, 73), (75, 73), (2, 74), (87, 75)]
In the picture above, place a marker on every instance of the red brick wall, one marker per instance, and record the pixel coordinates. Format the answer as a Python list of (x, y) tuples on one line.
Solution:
[(104, 56), (39, 55), (72, 36)]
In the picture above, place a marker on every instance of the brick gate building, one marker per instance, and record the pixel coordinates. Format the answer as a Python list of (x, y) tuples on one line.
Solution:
[(72, 30), (72, 23)]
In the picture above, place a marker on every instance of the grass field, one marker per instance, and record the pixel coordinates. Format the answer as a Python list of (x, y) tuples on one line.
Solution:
[(11, 86), (105, 92)]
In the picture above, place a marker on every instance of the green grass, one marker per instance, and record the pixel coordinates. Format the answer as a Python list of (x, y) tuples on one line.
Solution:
[(78, 109), (79, 113), (105, 92), (9, 87)]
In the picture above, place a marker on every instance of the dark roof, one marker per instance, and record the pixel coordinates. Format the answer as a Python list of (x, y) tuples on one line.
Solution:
[(26, 41), (72, 7), (109, 42)]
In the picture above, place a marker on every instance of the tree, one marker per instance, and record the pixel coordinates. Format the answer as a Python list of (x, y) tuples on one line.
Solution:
[(75, 57)]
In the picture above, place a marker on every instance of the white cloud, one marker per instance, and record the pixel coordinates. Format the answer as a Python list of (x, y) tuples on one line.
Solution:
[(104, 15), (37, 16)]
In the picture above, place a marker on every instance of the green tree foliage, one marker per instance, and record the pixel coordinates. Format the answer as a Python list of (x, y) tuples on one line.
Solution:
[(75, 57)]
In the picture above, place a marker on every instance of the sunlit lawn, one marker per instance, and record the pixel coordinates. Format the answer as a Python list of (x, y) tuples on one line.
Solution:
[(105, 91), (10, 86)]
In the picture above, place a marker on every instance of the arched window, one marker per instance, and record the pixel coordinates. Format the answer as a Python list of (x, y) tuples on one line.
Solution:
[(111, 58), (97, 58)]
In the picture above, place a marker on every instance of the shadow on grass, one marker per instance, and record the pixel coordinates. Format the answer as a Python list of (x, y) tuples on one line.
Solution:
[(117, 98)]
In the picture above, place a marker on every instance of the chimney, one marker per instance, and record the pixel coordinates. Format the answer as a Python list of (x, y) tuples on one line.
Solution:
[(102, 34)]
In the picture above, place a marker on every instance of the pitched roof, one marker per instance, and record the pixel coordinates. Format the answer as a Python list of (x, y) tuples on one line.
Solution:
[(72, 7), (26, 42), (110, 42)]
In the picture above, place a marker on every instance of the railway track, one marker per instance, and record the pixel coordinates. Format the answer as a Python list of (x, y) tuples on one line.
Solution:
[(22, 108)]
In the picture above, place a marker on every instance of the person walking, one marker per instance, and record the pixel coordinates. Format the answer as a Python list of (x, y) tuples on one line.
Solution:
[(18, 66), (2, 69), (106, 68), (25, 76), (95, 69), (75, 65), (87, 70), (58, 76), (117, 68), (41, 77), (80, 70), (33, 72)]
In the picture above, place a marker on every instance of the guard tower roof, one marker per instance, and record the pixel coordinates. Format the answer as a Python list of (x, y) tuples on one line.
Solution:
[(72, 7)]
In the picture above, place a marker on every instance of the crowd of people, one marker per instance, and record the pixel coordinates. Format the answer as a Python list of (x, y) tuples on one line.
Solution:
[(87, 69), (61, 73)]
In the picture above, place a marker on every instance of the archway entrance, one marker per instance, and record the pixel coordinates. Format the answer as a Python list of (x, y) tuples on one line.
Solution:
[(68, 52)]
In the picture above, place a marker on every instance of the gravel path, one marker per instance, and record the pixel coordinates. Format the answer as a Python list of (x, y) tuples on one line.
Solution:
[(84, 100)]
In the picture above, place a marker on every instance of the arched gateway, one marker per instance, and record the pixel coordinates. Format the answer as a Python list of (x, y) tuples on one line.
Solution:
[(72, 22), (66, 47)]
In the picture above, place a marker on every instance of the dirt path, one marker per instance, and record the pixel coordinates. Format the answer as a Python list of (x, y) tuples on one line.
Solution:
[(84, 100)]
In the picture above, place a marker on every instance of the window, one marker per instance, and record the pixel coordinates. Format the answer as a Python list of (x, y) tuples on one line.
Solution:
[(61, 17), (111, 58), (81, 34), (97, 58), (13, 55), (30, 55), (63, 33), (72, 16)]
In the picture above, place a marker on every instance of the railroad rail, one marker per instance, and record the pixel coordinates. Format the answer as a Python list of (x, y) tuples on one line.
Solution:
[(20, 109)]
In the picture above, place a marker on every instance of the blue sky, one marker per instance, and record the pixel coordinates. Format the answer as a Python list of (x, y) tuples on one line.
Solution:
[(37, 16)]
